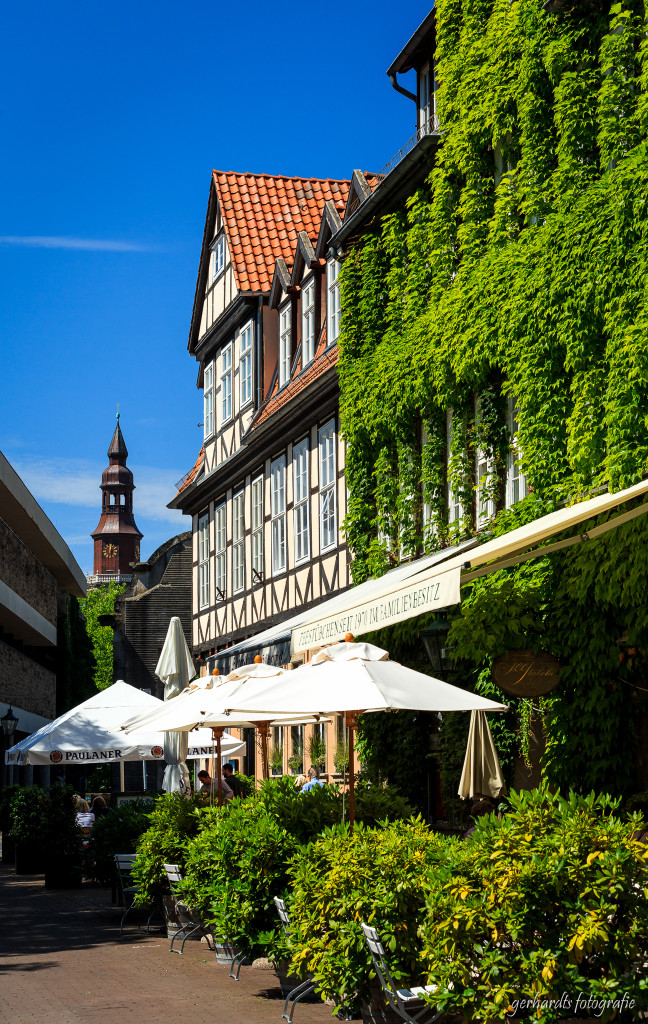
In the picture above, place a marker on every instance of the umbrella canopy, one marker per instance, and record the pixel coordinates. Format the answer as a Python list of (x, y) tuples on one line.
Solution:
[(91, 732), (352, 677), (203, 703), (482, 774), (175, 668)]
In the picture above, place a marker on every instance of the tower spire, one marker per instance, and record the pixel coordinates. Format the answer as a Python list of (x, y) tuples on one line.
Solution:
[(116, 538)]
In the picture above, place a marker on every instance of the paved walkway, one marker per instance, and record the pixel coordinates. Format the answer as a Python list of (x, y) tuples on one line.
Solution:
[(62, 961)]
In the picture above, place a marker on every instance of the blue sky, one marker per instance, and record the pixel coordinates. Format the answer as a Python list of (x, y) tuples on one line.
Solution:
[(112, 118)]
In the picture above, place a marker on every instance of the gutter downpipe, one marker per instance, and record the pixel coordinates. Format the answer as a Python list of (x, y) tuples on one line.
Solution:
[(400, 89)]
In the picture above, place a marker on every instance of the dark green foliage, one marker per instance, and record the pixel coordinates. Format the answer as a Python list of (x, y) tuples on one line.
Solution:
[(170, 825), (46, 820), (27, 814), (548, 901), (75, 662), (377, 876), (118, 831)]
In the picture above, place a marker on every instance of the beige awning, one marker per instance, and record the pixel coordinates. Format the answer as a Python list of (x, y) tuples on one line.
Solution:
[(427, 587)]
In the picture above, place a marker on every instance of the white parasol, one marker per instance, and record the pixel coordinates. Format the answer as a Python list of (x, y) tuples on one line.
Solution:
[(352, 678)]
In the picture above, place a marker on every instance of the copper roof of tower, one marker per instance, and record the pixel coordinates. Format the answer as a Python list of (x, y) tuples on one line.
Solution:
[(118, 447)]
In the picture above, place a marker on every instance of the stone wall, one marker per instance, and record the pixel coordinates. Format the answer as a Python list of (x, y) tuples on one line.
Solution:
[(25, 575), (26, 684)]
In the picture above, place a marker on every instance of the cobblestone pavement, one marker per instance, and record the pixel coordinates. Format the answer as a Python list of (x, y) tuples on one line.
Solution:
[(62, 961)]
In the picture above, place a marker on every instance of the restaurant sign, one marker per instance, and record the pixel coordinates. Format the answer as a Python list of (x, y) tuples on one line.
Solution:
[(405, 602), (526, 674)]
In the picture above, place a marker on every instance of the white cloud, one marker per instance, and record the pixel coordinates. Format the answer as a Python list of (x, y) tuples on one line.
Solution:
[(76, 482), (63, 242)]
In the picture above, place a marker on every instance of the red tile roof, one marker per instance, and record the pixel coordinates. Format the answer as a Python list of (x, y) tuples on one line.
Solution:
[(189, 477), (263, 214)]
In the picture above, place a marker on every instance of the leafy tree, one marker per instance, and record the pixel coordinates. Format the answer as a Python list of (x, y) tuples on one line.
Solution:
[(101, 601)]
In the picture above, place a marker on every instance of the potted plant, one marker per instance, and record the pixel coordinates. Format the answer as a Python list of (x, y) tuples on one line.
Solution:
[(296, 760), (27, 829), (341, 758), (63, 840), (317, 751), (8, 841), (276, 759)]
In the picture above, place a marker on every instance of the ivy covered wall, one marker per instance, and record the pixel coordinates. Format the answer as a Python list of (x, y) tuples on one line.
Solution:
[(518, 269)]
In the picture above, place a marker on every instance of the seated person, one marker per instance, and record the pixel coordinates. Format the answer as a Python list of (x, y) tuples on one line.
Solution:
[(300, 781), (210, 786), (84, 816), (313, 779), (99, 807)]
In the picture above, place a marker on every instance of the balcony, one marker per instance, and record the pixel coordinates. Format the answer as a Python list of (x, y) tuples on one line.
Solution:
[(397, 180), (97, 579)]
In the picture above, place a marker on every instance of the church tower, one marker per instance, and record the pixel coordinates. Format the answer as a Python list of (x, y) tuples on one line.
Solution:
[(116, 538)]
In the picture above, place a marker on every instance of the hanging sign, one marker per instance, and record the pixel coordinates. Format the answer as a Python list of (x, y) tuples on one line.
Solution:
[(406, 602), (526, 674)]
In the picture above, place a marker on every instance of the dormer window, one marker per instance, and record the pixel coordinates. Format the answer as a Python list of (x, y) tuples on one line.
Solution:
[(285, 324), (308, 322), (332, 302), (218, 258)]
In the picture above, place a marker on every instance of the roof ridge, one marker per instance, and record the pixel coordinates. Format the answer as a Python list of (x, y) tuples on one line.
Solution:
[(276, 177)]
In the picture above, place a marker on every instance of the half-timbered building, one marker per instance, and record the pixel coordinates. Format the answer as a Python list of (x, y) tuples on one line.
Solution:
[(267, 494)]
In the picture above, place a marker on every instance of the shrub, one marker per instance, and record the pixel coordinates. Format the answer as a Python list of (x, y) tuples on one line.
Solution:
[(46, 820), (306, 815), (549, 900), (171, 824), (234, 867), (116, 832), (375, 875), (27, 814)]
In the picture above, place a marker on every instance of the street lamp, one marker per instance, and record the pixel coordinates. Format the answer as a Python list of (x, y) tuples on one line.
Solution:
[(9, 723), (434, 637)]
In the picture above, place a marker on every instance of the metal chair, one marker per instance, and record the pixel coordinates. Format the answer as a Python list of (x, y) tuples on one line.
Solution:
[(128, 886), (408, 1003), (304, 988), (193, 922)]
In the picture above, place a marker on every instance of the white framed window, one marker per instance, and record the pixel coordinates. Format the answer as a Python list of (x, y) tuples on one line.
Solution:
[(226, 382), (257, 529), (285, 331), (484, 470), (327, 486), (301, 519), (203, 560), (220, 541), (218, 257), (208, 401), (245, 363), (333, 310), (238, 542), (455, 509), (516, 481), (308, 322), (278, 514)]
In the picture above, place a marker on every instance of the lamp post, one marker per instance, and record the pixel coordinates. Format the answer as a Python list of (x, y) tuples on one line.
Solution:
[(434, 637), (9, 723)]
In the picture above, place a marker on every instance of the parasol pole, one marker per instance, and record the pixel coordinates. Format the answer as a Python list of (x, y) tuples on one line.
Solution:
[(217, 733), (263, 728), (351, 721)]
